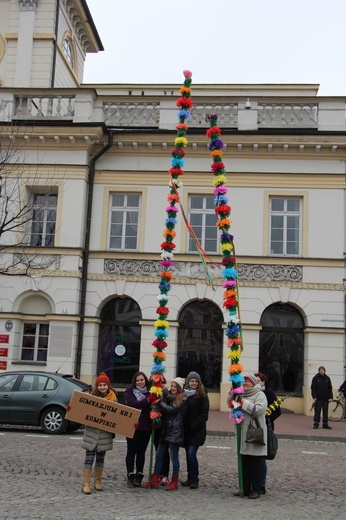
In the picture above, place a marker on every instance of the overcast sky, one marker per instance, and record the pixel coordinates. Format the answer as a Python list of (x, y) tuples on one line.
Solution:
[(221, 41)]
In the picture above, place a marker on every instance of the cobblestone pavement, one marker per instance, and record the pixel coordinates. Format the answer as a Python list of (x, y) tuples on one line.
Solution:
[(40, 477)]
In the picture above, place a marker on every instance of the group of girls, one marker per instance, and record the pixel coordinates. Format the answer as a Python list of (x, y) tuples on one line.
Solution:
[(184, 407)]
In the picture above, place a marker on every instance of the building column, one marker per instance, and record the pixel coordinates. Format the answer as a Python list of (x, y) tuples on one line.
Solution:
[(26, 26)]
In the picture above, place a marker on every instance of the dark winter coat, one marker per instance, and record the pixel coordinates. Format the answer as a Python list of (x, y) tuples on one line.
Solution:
[(172, 421), (321, 387), (143, 405), (195, 420), (343, 387), (271, 398)]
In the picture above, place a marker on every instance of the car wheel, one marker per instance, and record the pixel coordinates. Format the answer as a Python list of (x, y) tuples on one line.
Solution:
[(53, 421)]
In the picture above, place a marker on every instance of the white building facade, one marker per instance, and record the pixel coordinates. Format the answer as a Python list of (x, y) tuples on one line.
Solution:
[(79, 290)]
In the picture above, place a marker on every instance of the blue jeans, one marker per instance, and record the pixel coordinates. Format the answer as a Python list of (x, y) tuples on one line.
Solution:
[(264, 472), (192, 463), (162, 449)]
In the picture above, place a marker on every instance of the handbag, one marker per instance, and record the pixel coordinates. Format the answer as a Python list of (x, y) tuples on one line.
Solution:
[(272, 441), (254, 433)]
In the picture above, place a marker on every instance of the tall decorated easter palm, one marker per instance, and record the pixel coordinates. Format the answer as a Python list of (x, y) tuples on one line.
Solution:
[(230, 279), (184, 105)]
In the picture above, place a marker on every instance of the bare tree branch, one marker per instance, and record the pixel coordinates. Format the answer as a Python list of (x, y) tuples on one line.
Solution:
[(25, 201)]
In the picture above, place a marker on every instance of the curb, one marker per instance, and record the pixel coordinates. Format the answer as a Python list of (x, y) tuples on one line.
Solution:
[(289, 436)]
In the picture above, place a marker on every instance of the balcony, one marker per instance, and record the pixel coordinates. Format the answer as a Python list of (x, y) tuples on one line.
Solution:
[(82, 106)]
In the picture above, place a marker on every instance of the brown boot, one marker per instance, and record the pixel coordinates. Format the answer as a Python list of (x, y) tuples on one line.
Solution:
[(155, 481), (173, 484), (86, 481), (97, 479)]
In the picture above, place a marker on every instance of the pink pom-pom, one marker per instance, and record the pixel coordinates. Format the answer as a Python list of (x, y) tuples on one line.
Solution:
[(187, 73), (172, 208), (239, 390)]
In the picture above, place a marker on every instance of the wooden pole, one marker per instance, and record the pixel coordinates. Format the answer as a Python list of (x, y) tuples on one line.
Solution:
[(240, 464)]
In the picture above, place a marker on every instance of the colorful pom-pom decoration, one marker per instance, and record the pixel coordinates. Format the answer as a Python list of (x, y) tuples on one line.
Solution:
[(176, 171), (229, 272)]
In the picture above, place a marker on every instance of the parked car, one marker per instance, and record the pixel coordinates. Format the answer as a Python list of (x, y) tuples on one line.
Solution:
[(38, 398)]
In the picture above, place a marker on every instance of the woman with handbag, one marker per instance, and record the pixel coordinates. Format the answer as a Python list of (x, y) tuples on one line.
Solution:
[(252, 447), (271, 398)]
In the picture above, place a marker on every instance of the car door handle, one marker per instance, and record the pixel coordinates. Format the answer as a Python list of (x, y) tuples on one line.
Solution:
[(45, 396), (6, 396)]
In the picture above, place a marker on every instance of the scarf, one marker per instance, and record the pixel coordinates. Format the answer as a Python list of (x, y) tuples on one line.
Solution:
[(189, 392), (111, 396), (252, 391), (139, 393)]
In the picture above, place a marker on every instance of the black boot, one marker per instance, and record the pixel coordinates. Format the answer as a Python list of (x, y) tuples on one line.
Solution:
[(138, 479), (131, 480)]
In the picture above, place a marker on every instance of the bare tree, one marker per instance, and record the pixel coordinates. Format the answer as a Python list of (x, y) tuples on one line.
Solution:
[(26, 202)]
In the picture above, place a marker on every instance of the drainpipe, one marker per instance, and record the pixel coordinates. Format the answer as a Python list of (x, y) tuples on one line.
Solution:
[(86, 251), (55, 45)]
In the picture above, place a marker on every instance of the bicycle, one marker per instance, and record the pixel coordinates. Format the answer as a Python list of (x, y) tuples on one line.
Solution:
[(336, 408)]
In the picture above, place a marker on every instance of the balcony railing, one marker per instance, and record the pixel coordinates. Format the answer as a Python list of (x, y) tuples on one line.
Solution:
[(45, 107), (227, 114), (132, 114), (84, 107), (288, 115)]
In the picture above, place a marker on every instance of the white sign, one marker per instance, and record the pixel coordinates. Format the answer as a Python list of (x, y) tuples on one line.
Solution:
[(120, 350)]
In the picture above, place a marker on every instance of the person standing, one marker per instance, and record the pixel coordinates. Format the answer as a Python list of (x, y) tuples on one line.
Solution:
[(195, 426), (271, 398), (137, 396), (173, 407), (343, 387), (254, 405), (95, 441), (322, 394)]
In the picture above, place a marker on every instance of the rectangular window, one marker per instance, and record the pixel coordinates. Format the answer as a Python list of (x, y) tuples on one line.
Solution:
[(124, 221), (43, 219), (203, 221), (35, 342), (285, 226)]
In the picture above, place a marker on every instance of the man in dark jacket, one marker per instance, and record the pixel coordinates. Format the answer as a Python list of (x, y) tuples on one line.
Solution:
[(322, 394)]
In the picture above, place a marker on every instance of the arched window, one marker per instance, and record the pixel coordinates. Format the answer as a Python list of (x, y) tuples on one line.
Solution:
[(281, 348), (35, 333), (119, 340), (200, 342), (69, 51)]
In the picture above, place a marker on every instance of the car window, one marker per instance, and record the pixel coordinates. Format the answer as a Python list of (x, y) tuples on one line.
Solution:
[(51, 384), (27, 383), (7, 382), (44, 383)]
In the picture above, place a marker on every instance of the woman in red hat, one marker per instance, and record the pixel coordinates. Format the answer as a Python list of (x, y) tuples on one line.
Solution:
[(95, 441)]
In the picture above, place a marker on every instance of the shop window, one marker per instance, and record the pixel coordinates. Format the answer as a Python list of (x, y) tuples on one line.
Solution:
[(200, 340), (281, 349), (119, 340)]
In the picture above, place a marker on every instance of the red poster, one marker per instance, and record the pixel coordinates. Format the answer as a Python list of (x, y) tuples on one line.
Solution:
[(3, 365), (3, 352), (4, 338)]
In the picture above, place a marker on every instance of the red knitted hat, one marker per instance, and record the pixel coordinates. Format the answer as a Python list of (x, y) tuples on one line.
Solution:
[(102, 378)]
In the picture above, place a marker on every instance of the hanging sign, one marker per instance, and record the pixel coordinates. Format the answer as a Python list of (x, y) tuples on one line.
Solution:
[(102, 414)]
